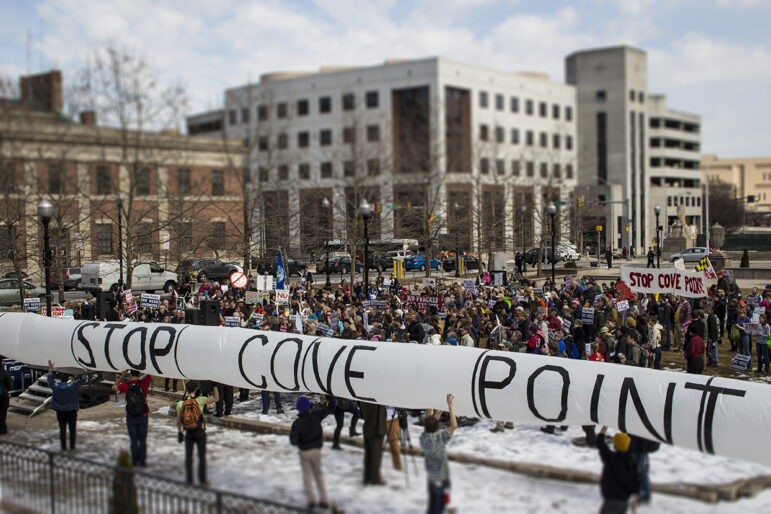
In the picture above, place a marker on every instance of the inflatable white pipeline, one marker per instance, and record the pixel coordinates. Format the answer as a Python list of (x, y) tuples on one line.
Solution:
[(713, 415)]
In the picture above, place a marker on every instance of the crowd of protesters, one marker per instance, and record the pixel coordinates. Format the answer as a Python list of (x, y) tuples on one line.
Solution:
[(575, 318)]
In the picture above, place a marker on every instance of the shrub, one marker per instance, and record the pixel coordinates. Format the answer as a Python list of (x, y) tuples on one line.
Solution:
[(571, 265), (745, 260), (123, 487)]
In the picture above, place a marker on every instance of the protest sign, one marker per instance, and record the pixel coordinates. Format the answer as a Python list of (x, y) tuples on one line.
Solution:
[(32, 304), (57, 311), (538, 292), (658, 405), (422, 301), (258, 317), (689, 284), (232, 321), (740, 362), (429, 282), (252, 297), (587, 315), (498, 278), (597, 298), (566, 325), (282, 296), (753, 328), (131, 303), (622, 306), (322, 327), (469, 287), (152, 301)]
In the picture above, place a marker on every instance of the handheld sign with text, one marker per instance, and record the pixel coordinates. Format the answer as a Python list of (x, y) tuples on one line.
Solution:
[(252, 297), (690, 284), (282, 296), (622, 306), (32, 304), (232, 321), (587, 315), (740, 362), (131, 303), (238, 279), (152, 301)]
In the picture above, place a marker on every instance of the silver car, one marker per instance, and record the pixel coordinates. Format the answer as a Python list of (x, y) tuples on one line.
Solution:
[(694, 254), (9, 291)]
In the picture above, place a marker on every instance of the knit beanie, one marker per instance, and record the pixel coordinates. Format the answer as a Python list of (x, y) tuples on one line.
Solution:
[(303, 405), (621, 442)]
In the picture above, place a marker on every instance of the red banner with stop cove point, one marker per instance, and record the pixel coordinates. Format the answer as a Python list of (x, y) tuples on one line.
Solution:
[(690, 284)]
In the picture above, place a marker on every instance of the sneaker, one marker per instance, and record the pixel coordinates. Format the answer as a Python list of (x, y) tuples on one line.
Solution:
[(280, 410), (508, 425)]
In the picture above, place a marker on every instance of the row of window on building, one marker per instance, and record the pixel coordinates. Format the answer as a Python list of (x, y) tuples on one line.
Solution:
[(514, 107), (326, 170), (543, 139), (687, 201), (516, 168), (105, 184), (348, 136), (303, 107), (143, 239)]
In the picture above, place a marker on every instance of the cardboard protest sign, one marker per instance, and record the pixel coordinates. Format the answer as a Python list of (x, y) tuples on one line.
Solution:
[(703, 413), (422, 301), (566, 325), (32, 304), (740, 362), (252, 297), (689, 284), (587, 315), (152, 301), (469, 287), (232, 321), (282, 296), (622, 306)]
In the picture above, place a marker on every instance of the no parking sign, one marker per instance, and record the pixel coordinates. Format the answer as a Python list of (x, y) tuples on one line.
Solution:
[(238, 279)]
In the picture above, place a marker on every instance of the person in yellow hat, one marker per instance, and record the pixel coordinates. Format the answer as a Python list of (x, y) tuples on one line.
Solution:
[(620, 479)]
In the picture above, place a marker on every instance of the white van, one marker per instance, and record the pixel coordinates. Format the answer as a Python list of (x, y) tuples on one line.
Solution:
[(147, 276)]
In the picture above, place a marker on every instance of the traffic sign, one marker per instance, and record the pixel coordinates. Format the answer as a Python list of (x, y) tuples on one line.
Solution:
[(598, 228), (238, 279)]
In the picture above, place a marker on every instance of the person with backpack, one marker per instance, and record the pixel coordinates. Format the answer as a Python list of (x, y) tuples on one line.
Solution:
[(137, 413), (620, 478), (6, 383), (66, 403), (190, 419), (306, 433), (434, 442)]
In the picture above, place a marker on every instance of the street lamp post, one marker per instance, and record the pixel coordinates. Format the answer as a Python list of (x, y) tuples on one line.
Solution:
[(366, 211), (325, 204), (45, 210), (552, 213), (657, 210), (120, 239), (456, 208), (522, 212)]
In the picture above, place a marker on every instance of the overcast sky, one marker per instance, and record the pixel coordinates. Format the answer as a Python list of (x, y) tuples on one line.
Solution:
[(710, 57)]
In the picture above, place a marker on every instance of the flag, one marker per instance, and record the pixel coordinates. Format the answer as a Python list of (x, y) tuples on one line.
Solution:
[(706, 266), (298, 322), (280, 272)]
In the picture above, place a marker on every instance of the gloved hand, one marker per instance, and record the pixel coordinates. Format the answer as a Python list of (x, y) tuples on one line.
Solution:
[(180, 437)]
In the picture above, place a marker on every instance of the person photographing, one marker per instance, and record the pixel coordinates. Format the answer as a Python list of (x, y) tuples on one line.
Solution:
[(434, 444)]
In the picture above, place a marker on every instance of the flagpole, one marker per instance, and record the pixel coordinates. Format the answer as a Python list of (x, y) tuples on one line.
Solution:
[(706, 215)]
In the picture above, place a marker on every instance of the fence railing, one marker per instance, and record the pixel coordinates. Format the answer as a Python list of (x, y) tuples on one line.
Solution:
[(36, 480)]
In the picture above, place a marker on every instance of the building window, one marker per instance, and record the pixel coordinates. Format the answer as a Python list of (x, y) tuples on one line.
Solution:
[(631, 95), (142, 182), (555, 141), (600, 96), (544, 139), (568, 113), (484, 132), (555, 111), (373, 167), (529, 138), (183, 181), (669, 201), (54, 179), (514, 136), (185, 236), (514, 104), (499, 101), (544, 170), (569, 142), (145, 238), (349, 102), (232, 117), (569, 171), (325, 137), (104, 238), (218, 234), (283, 141), (304, 171), (281, 110), (499, 134), (326, 170), (483, 99), (641, 97), (698, 200), (302, 107), (262, 143), (303, 139), (529, 107), (283, 172), (500, 166), (543, 109), (530, 168), (264, 174), (349, 168), (245, 115), (262, 112), (515, 168), (373, 133), (372, 99), (103, 180), (484, 165), (325, 104), (557, 171), (349, 135), (217, 183)]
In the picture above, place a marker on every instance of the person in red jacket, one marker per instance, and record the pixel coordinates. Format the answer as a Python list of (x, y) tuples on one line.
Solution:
[(694, 354)]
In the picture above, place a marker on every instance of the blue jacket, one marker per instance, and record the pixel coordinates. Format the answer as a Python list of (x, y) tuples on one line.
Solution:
[(65, 395)]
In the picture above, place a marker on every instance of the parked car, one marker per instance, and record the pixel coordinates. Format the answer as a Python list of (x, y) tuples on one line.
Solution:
[(147, 276), (292, 267), (9, 291), (400, 255), (381, 262), (72, 278), (690, 254), (342, 265), (469, 262), (218, 271), (12, 274), (419, 262), (188, 267), (568, 252), (321, 259), (531, 257)]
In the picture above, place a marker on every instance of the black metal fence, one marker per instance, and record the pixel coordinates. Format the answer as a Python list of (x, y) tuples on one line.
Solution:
[(35, 480)]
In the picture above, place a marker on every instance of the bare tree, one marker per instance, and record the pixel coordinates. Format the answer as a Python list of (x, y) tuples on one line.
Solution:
[(725, 207)]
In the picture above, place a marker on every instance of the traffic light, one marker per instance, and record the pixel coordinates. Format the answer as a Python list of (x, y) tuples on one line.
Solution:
[(378, 208), (578, 200), (409, 206)]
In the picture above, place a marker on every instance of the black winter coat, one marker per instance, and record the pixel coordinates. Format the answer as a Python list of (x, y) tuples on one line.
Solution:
[(306, 432), (619, 473)]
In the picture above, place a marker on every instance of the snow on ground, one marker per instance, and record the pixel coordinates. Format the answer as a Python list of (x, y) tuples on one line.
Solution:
[(267, 466)]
